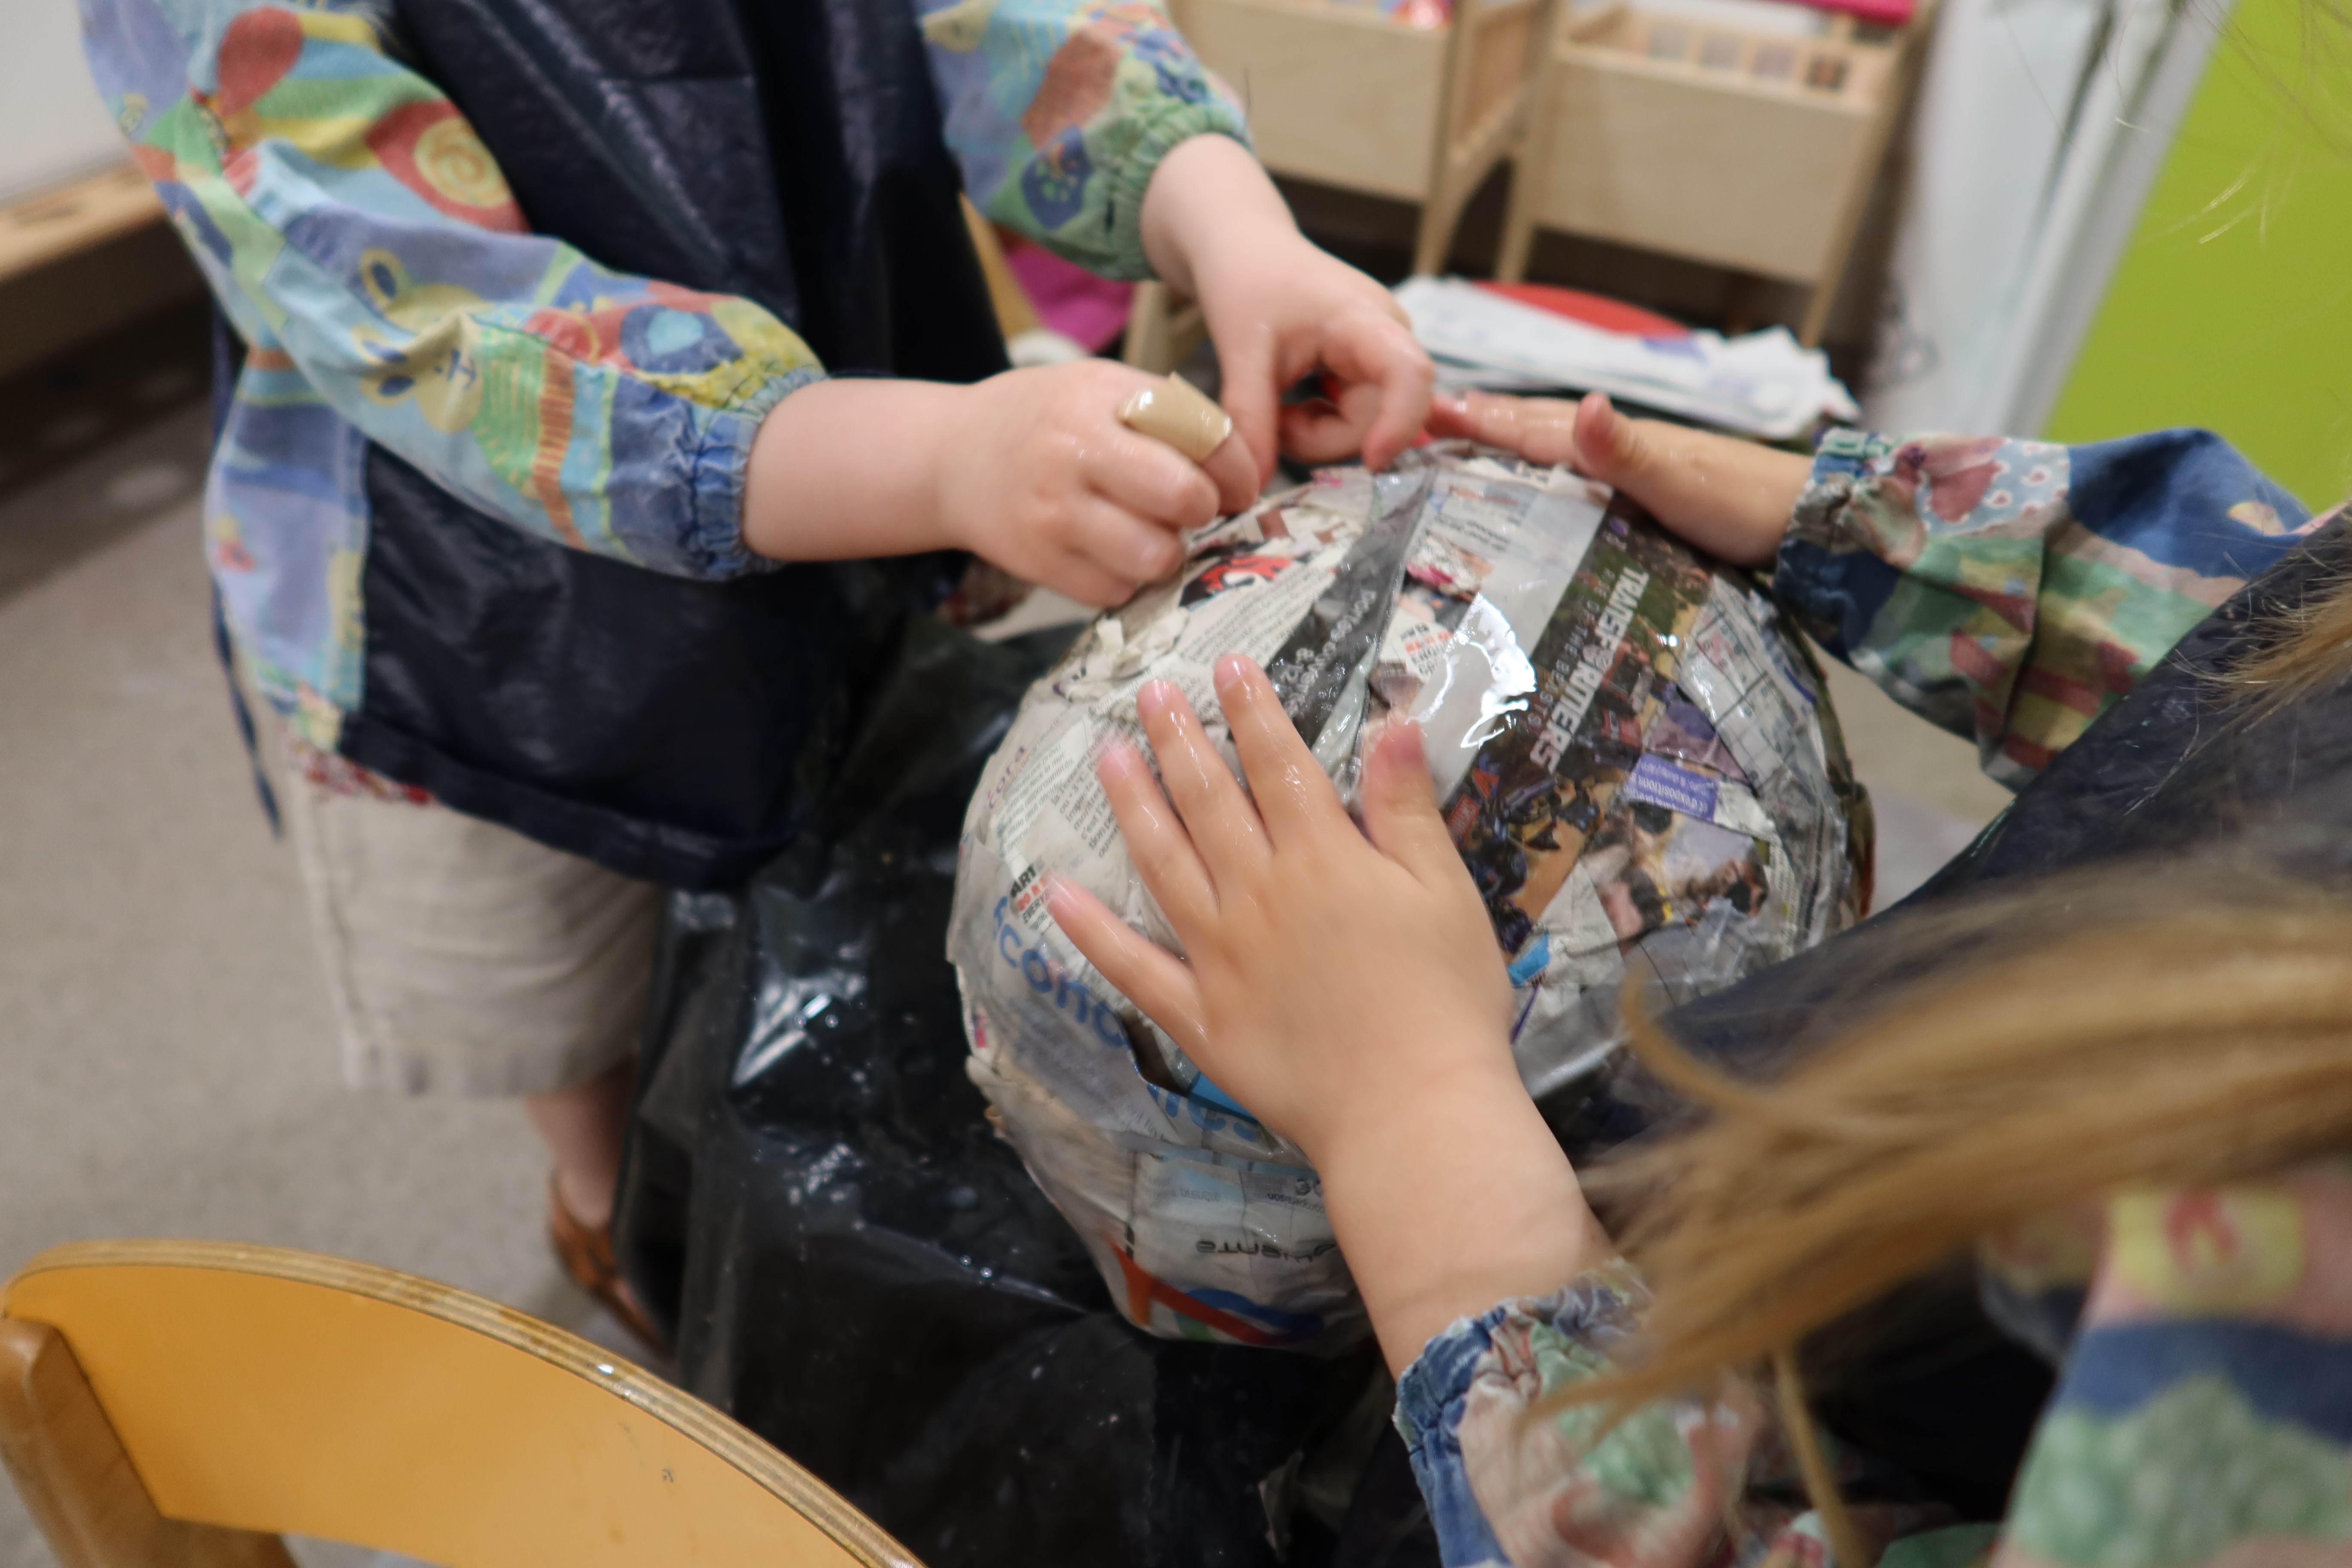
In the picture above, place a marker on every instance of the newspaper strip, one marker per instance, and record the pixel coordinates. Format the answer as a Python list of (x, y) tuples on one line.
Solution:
[(1631, 752)]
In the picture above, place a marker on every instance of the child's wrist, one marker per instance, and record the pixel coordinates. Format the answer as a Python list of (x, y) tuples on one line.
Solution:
[(1450, 1202), (1210, 205), (844, 468), (1248, 238), (1365, 1122)]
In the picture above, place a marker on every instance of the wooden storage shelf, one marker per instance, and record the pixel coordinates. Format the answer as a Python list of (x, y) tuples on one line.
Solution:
[(1750, 151), (1348, 97), (54, 225), (81, 261)]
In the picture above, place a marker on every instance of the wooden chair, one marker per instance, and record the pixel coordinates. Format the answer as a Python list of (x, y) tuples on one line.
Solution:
[(1163, 328), (1748, 151), (177, 1405)]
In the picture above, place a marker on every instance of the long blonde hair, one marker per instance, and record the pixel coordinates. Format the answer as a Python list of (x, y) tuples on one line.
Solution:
[(2309, 653), (2189, 1023)]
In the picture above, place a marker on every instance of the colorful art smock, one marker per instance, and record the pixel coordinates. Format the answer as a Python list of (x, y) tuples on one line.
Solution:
[(550, 266), (2203, 1415)]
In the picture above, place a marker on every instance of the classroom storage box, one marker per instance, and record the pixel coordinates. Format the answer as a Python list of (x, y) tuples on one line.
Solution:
[(1350, 97), (1750, 151)]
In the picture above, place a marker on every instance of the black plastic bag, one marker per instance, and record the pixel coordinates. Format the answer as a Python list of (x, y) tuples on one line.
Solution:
[(855, 1266)]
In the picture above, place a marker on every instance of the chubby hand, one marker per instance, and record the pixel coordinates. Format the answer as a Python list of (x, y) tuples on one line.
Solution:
[(1331, 975), (1282, 311), (1279, 308), (1037, 475), (1730, 498), (1346, 986)]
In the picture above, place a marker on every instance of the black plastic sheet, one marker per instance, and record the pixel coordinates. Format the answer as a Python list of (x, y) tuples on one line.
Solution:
[(856, 1266), (859, 1269)]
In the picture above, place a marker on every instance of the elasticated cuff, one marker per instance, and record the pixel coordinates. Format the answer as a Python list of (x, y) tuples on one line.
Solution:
[(712, 546), (1160, 134)]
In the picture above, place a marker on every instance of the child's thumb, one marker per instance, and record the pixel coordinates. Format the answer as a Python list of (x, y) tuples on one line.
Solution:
[(1401, 807), (1608, 446)]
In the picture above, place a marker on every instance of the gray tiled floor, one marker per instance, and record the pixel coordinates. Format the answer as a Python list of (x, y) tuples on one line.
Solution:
[(165, 1065)]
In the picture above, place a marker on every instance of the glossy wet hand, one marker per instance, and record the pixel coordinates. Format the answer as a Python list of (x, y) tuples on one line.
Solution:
[(1284, 312), (1345, 986), (1334, 978), (1279, 308), (1036, 475), (1730, 498)]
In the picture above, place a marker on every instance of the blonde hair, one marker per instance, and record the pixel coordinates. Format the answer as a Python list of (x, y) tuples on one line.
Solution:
[(2195, 1025), (2310, 653)]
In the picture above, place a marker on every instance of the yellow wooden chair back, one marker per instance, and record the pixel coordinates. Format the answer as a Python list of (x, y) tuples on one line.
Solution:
[(233, 1392)]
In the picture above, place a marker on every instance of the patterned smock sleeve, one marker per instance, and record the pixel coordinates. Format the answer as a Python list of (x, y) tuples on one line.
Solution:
[(1677, 1483), (2203, 1417), (365, 243), (2011, 590), (1059, 112)]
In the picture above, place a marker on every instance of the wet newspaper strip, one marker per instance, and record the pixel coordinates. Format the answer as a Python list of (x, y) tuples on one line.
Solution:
[(1630, 750)]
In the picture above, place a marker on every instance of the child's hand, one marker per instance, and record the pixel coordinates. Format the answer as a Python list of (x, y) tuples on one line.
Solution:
[(1037, 475), (1328, 980), (1349, 993), (1730, 498), (1277, 313), (1279, 308), (1030, 469), (1041, 478)]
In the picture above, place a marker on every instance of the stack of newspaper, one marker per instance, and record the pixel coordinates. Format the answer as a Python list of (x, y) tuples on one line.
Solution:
[(1758, 385)]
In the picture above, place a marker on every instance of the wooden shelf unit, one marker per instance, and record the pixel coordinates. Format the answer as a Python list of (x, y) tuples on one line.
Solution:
[(81, 261), (1348, 97), (1750, 151), (54, 225)]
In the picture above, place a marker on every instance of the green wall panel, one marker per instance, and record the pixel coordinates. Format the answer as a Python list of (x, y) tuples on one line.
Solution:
[(2231, 307)]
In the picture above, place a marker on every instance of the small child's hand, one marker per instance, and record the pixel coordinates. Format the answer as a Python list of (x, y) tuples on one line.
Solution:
[(1330, 983), (1730, 498), (1037, 475), (1350, 994), (1030, 469), (1280, 312), (1278, 308)]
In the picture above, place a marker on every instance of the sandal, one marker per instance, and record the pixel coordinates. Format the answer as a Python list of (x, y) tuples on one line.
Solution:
[(586, 1254)]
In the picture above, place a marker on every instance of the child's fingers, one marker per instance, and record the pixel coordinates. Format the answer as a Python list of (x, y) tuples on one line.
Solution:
[(1401, 809), (1164, 853), (1225, 826), (1728, 497), (1540, 429), (1123, 544), (1295, 799), (1082, 579), (1330, 429), (1245, 363), (1371, 348), (1233, 469), (1140, 970), (1608, 446), (1149, 480)]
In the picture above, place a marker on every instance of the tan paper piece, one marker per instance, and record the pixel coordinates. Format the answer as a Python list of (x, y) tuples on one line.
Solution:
[(1178, 413)]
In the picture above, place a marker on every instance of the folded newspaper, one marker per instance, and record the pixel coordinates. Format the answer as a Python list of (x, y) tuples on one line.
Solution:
[(1761, 383), (1631, 750)]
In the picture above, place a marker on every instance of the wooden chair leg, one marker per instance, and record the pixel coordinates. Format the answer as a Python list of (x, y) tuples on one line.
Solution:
[(1434, 238), (1530, 168), (1162, 329), (78, 1483)]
